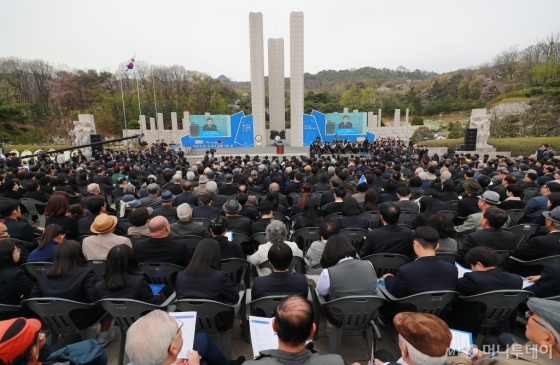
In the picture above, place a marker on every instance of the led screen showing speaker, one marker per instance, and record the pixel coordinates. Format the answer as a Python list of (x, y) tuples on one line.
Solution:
[(210, 125), (346, 123)]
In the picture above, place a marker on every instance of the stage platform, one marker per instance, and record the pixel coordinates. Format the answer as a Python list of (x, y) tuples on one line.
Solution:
[(197, 153)]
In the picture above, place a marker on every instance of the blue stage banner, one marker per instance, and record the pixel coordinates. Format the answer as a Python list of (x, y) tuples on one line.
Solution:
[(315, 125), (240, 125)]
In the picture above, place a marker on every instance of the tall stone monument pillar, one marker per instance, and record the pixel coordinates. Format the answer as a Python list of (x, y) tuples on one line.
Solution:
[(143, 123), (160, 121), (186, 123), (152, 124), (296, 78), (406, 117), (257, 75), (276, 101), (173, 121), (397, 120)]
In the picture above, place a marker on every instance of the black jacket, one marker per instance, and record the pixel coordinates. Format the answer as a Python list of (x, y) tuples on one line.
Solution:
[(20, 230), (547, 285), (495, 238), (239, 224), (188, 228), (14, 284), (186, 198), (352, 221), (427, 273), (71, 225), (331, 208), (79, 286), (229, 189), (467, 206), (166, 249), (139, 290), (279, 283), (37, 195), (229, 249), (535, 248), (168, 212), (391, 238), (204, 211), (260, 225)]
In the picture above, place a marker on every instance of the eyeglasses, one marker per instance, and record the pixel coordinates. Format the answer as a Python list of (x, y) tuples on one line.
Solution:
[(529, 315)]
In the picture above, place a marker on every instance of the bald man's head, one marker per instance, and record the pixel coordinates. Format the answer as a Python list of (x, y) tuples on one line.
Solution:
[(159, 227), (294, 321), (274, 187)]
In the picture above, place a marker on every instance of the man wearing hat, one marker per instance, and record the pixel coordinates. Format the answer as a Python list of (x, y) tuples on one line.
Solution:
[(542, 331), (201, 188), (167, 209), (97, 247), (236, 222), (266, 212), (537, 247), (485, 201), (423, 339)]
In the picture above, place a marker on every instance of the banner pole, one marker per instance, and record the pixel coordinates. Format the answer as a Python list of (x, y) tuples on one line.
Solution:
[(155, 101), (124, 110), (138, 90)]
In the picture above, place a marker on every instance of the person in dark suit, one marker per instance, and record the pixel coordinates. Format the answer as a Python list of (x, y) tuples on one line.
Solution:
[(513, 200), (280, 281), (492, 235), (34, 193), (404, 193), (95, 205), (204, 209), (228, 249), (15, 285), (101, 178), (345, 124), (70, 278), (546, 284), (391, 238), (448, 191), (266, 213), (202, 279), (351, 217), (389, 192), (56, 211), (246, 210), (336, 206), (427, 273), (160, 247), (440, 205), (485, 277), (167, 209), (12, 190), (469, 204), (323, 184), (295, 186), (236, 222), (210, 126), (186, 196), (328, 195), (217, 199), (537, 247), (228, 188), (11, 212), (124, 279), (186, 226)]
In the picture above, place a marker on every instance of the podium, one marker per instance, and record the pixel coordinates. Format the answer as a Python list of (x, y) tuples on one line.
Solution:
[(279, 148)]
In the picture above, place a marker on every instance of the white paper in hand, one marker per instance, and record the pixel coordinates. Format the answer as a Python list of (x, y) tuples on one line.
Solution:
[(263, 336), (188, 320), (460, 340), (461, 270)]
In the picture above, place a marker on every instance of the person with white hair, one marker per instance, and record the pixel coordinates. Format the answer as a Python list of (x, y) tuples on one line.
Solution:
[(185, 226), (217, 199), (176, 188), (276, 232), (157, 339), (92, 190)]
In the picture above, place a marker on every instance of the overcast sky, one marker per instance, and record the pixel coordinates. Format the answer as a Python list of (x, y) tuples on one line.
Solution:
[(212, 36)]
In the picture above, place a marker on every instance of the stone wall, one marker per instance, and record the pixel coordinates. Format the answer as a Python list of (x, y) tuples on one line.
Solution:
[(401, 132)]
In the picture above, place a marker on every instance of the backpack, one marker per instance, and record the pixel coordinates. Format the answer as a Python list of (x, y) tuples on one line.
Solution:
[(79, 353)]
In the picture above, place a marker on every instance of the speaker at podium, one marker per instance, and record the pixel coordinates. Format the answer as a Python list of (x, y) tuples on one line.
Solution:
[(470, 139)]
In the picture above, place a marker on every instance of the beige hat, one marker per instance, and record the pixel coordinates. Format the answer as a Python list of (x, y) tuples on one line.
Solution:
[(104, 223)]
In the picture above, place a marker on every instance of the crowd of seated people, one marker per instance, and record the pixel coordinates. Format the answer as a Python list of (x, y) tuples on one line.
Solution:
[(166, 200)]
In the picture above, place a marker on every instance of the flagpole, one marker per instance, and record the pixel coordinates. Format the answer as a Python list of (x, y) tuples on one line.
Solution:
[(138, 90), (124, 110), (155, 101)]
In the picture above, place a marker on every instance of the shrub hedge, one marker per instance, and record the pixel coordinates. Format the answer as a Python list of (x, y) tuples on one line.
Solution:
[(518, 146)]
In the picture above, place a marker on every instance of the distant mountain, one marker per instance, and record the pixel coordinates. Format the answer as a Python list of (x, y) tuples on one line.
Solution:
[(402, 69), (223, 79)]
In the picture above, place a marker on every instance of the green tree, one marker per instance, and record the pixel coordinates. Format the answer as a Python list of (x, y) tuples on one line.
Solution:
[(417, 120), (133, 124), (457, 131), (422, 134)]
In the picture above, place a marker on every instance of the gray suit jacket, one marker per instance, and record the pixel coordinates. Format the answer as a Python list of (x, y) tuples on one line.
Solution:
[(188, 228)]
